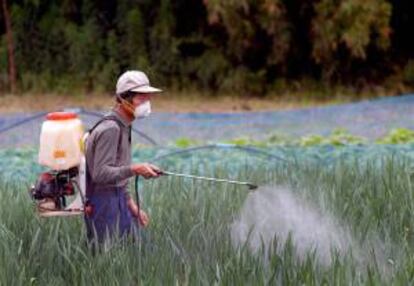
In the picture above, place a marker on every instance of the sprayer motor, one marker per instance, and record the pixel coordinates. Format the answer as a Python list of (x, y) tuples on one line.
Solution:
[(54, 186)]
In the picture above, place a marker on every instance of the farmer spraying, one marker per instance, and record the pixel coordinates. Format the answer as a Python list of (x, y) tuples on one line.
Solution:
[(110, 211), (98, 174)]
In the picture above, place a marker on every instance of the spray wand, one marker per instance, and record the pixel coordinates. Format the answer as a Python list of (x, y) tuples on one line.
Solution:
[(166, 173), (249, 185)]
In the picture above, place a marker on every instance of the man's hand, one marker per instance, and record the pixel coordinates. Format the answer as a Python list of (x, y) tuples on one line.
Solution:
[(143, 218), (137, 213), (146, 170)]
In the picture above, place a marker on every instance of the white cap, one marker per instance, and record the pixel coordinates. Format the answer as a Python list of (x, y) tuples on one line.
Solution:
[(135, 81)]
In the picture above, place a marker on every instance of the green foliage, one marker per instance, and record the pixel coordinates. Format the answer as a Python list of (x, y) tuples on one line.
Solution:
[(188, 240), (210, 69), (163, 45), (278, 139), (242, 81), (398, 136), (185, 142), (3, 63), (132, 39), (408, 72), (249, 26), (243, 141), (312, 140), (339, 137), (352, 24), (84, 52), (244, 20), (244, 47)]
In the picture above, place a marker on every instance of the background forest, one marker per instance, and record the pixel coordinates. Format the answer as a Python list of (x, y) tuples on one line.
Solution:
[(235, 46)]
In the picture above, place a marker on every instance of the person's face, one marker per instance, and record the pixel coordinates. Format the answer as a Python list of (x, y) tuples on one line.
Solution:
[(140, 98)]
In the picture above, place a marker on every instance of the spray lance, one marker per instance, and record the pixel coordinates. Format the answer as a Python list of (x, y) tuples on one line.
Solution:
[(247, 184), (250, 186)]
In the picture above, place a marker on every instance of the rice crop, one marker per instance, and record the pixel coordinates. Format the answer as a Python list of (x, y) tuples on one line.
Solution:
[(363, 195)]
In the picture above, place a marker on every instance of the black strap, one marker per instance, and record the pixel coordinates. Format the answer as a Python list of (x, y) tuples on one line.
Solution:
[(114, 118), (118, 121)]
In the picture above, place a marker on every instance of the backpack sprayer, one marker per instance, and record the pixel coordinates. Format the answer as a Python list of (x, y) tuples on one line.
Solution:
[(62, 150)]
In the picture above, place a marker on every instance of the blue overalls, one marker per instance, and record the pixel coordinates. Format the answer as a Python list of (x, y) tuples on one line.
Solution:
[(110, 217)]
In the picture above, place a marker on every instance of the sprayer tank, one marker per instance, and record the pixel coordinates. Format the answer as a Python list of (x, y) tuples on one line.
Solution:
[(61, 141)]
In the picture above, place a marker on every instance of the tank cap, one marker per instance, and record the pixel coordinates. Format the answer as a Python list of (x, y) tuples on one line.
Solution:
[(61, 116)]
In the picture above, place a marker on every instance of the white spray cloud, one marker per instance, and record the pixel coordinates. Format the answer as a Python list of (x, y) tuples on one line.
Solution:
[(273, 212)]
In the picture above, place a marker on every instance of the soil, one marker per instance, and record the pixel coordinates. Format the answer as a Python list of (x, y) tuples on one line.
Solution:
[(177, 103)]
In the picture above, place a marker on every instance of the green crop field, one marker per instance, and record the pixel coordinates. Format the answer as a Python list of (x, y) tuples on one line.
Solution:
[(361, 194)]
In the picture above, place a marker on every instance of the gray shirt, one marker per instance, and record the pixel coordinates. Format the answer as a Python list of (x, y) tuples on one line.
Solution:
[(105, 167)]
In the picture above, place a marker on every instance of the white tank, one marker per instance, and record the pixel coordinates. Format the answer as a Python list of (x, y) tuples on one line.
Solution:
[(61, 141)]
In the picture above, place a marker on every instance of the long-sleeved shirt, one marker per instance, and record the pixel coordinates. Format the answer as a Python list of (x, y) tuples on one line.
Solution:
[(109, 165)]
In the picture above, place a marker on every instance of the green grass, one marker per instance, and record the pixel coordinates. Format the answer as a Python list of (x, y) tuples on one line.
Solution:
[(188, 241), (337, 138)]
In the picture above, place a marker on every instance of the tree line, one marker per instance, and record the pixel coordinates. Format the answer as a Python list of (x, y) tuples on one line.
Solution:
[(237, 46)]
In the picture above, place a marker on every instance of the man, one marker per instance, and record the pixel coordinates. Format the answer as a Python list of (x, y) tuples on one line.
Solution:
[(110, 211)]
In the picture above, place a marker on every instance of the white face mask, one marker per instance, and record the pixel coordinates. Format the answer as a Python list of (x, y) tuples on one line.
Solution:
[(143, 110)]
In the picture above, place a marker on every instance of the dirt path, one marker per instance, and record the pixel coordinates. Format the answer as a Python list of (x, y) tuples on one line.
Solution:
[(161, 103)]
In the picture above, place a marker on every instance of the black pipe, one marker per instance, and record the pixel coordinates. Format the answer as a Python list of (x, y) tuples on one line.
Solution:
[(140, 133), (248, 149), (23, 121)]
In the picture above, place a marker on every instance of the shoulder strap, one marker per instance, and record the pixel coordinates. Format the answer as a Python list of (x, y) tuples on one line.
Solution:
[(113, 118), (117, 120), (106, 117)]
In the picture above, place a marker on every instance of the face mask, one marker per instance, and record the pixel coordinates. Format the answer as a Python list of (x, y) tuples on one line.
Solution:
[(143, 110)]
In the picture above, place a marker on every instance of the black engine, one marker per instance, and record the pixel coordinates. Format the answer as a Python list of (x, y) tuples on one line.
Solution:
[(55, 185)]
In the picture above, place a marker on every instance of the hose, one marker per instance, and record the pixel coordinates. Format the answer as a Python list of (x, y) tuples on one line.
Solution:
[(23, 121), (248, 149), (137, 192), (77, 110), (140, 133)]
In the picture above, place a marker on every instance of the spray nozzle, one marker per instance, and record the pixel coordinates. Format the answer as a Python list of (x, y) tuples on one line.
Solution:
[(252, 186)]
